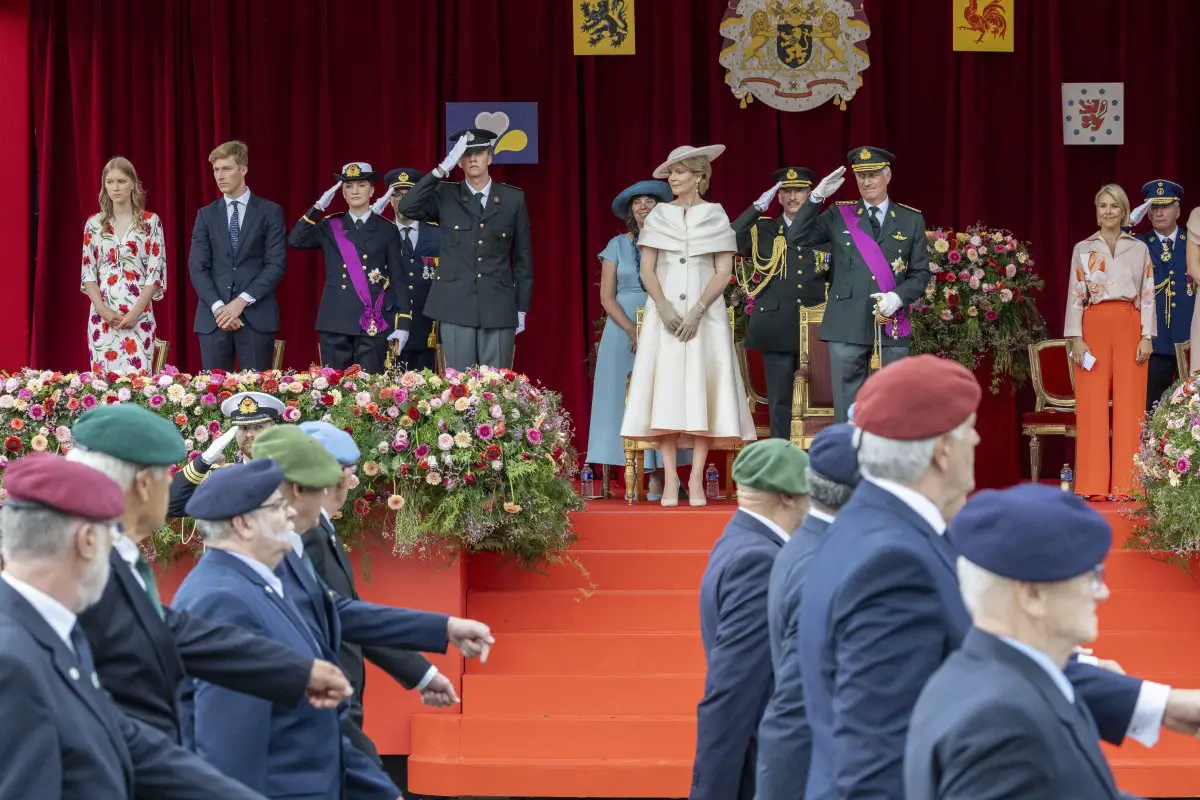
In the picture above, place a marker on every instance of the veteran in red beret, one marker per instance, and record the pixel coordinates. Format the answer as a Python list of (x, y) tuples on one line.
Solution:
[(882, 607)]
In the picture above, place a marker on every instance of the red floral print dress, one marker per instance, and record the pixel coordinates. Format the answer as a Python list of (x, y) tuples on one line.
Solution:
[(123, 268)]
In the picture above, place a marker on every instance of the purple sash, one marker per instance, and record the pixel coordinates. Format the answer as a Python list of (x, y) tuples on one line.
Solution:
[(869, 249), (371, 321)]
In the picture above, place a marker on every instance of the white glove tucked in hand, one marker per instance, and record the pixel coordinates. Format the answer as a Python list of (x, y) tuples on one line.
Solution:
[(398, 336), (520, 322), (327, 198), (764, 202), (214, 451), (828, 185), (379, 205), (889, 303), (456, 152), (1136, 215)]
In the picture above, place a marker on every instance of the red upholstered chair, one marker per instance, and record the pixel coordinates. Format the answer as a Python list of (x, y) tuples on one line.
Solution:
[(1053, 375), (812, 391)]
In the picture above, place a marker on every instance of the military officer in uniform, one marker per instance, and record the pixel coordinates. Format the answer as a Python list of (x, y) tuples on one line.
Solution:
[(781, 276), (364, 286), (420, 243), (484, 280), (880, 265), (1174, 291)]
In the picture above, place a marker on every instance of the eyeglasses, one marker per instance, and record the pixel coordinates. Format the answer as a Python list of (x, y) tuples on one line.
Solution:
[(278, 504), (1097, 577)]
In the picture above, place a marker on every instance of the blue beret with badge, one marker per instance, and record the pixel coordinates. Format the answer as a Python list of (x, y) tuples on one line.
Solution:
[(336, 441), (1033, 533), (832, 454), (229, 492), (1162, 192)]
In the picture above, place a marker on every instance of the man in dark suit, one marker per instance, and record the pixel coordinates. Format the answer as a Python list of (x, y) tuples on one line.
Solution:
[(420, 244), (364, 282), (784, 736), (880, 267), (999, 719), (882, 608), (144, 649), (772, 500), (61, 735), (237, 259), (782, 277), (479, 299)]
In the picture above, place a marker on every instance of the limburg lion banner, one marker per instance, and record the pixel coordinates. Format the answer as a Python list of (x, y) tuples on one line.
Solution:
[(795, 55)]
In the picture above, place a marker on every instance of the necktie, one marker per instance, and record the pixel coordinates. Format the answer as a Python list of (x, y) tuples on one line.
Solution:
[(479, 199), (358, 224), (1166, 253), (234, 226), (873, 213), (143, 569), (82, 651), (406, 247), (307, 562)]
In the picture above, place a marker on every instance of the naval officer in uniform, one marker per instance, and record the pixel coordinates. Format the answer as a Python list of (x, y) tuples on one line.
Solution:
[(364, 286), (880, 266), (484, 282), (782, 277)]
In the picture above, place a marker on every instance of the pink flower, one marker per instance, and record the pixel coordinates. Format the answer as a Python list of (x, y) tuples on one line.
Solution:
[(89, 401), (1010, 271), (1005, 296), (497, 412), (533, 435), (401, 396), (214, 427), (36, 412), (946, 315), (123, 394), (291, 414), (1182, 466), (974, 282), (991, 315), (209, 399), (445, 441), (421, 451), (484, 431), (965, 275)]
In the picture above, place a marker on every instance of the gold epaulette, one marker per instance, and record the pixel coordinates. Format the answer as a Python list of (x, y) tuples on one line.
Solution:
[(910, 208), (846, 202), (766, 217), (434, 224), (403, 316)]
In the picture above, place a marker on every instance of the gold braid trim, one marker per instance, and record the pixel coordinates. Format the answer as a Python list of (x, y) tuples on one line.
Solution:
[(1170, 295), (776, 264)]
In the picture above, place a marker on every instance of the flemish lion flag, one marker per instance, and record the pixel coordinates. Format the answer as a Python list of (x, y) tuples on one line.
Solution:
[(603, 27), (983, 26)]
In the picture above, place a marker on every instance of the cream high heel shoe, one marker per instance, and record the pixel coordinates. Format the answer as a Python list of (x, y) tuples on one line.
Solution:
[(696, 496), (670, 499)]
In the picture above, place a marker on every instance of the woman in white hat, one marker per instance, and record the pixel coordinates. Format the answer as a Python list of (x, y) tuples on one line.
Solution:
[(686, 389)]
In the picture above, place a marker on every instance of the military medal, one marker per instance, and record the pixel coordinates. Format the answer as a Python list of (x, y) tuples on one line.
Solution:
[(372, 330)]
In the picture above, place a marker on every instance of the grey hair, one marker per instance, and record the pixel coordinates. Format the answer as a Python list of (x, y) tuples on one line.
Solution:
[(825, 492), (983, 592), (895, 459), (34, 533), (214, 530), (120, 471)]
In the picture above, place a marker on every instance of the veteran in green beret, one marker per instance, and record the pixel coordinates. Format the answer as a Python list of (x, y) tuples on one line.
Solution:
[(143, 649), (310, 473), (772, 501)]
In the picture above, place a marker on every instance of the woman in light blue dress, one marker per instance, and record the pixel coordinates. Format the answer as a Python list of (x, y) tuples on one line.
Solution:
[(621, 294)]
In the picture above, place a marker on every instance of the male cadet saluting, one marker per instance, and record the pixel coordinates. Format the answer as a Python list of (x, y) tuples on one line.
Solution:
[(879, 254), (420, 243), (1174, 290), (781, 276), (364, 285), (142, 648), (479, 299), (772, 500)]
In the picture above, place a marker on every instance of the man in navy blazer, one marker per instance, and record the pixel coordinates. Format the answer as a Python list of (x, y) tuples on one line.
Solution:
[(882, 608), (999, 718), (61, 735), (144, 649), (238, 256), (772, 500), (784, 736)]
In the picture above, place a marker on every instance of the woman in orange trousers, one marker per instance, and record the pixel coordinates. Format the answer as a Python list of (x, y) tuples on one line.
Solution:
[(1110, 318)]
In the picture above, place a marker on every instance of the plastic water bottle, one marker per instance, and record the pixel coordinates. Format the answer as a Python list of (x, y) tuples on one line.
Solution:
[(587, 486), (1066, 478), (712, 482)]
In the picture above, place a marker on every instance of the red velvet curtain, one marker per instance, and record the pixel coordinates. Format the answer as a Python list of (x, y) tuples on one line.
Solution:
[(311, 84)]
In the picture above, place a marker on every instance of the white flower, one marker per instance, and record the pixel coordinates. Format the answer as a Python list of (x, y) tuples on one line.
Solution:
[(188, 400), (462, 404), (497, 465), (123, 394), (941, 245), (445, 441), (362, 398), (6, 401), (976, 241), (383, 447), (462, 438), (320, 383), (165, 381)]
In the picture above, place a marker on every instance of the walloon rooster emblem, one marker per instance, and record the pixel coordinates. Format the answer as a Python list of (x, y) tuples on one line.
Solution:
[(991, 20)]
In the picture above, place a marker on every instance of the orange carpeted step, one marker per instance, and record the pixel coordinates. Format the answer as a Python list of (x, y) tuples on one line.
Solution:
[(533, 777), (605, 569), (1127, 571), (549, 737), (1144, 776), (1166, 612), (585, 654), (601, 611), (592, 695), (1138, 652), (609, 525)]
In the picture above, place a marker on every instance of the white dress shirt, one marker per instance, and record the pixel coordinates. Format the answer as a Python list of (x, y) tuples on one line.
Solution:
[(914, 500), (778, 531), (821, 515), (1046, 663), (485, 191), (883, 209), (267, 575), (128, 551), (243, 202), (1172, 235), (60, 618), (411, 226), (363, 219)]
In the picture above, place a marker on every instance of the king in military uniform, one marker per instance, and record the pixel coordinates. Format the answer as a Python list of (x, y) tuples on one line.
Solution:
[(1174, 291), (781, 276), (364, 284), (484, 282), (420, 243), (880, 266)]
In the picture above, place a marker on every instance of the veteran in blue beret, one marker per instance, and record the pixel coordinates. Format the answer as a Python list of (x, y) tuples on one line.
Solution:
[(784, 735), (772, 495), (1000, 718)]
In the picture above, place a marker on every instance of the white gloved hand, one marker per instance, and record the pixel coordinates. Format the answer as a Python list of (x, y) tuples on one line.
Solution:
[(399, 336), (214, 451), (1138, 213), (456, 152), (520, 322), (828, 185), (379, 205), (889, 303), (764, 202), (327, 198)]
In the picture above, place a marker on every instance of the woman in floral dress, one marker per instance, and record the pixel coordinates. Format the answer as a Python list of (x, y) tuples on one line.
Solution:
[(124, 271)]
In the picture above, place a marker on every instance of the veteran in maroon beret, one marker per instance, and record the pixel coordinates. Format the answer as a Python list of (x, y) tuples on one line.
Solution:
[(882, 607)]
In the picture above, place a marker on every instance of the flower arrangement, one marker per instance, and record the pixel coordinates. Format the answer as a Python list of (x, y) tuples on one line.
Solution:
[(480, 460), (979, 302), (1167, 470)]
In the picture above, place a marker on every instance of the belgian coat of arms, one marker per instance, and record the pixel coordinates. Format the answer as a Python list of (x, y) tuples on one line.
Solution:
[(795, 55)]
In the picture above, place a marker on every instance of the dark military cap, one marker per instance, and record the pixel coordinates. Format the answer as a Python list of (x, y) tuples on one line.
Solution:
[(358, 171), (869, 159), (42, 480), (1162, 193), (403, 178), (252, 408), (1033, 533), (130, 433), (479, 139), (832, 454), (793, 177), (235, 490), (772, 465)]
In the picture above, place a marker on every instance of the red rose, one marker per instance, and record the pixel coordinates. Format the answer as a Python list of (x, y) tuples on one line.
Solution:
[(351, 372), (12, 444), (355, 410), (361, 507), (405, 469), (469, 477), (369, 496), (326, 399), (413, 414), (270, 385), (952, 300), (493, 452), (458, 391)]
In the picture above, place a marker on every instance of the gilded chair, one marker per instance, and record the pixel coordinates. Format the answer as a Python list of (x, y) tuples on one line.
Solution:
[(756, 399), (635, 449), (159, 359), (1183, 357), (277, 355), (812, 391), (1053, 374)]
